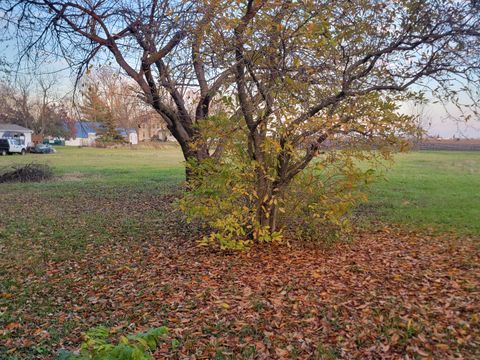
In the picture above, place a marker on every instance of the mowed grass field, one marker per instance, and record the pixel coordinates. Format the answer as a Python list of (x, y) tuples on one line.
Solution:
[(109, 166), (101, 244), (427, 190)]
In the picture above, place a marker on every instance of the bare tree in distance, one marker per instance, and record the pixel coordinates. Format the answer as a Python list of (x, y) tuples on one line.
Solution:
[(35, 105), (17, 103), (121, 95), (46, 100)]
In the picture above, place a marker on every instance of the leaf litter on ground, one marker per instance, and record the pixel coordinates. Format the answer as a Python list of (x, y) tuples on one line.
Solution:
[(130, 262)]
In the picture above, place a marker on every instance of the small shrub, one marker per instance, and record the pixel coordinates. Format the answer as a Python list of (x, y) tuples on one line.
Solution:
[(314, 208), (135, 347), (320, 199)]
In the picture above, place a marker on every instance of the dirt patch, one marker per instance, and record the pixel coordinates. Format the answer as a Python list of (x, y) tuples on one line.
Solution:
[(73, 176), (78, 176)]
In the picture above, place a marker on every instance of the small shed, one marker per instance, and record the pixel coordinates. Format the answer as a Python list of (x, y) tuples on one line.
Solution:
[(17, 132), (129, 135)]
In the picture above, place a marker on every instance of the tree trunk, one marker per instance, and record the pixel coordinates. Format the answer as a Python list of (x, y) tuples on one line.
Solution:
[(273, 218), (264, 203), (192, 156)]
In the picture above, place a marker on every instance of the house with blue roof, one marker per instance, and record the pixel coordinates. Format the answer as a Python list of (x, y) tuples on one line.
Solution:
[(86, 133), (83, 128)]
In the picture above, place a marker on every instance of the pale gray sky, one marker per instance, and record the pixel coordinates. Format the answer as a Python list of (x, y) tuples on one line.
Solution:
[(444, 121)]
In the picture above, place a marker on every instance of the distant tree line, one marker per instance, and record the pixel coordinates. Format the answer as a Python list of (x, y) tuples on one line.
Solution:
[(104, 96), (36, 107)]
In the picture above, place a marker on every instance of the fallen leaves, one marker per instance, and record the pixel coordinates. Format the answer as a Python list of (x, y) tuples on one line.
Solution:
[(385, 295)]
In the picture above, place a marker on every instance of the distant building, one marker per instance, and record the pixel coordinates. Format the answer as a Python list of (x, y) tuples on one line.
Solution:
[(17, 132), (133, 138), (86, 133), (153, 129), (130, 135)]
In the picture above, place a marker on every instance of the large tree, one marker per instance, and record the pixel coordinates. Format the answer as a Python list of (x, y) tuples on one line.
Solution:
[(312, 77), (313, 71), (294, 75)]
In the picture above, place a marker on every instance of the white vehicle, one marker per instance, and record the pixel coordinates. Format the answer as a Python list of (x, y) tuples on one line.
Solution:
[(12, 146)]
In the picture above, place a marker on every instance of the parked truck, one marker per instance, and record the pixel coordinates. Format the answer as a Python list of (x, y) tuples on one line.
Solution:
[(12, 146)]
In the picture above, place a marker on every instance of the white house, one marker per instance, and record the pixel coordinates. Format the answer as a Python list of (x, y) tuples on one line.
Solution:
[(86, 134), (16, 131)]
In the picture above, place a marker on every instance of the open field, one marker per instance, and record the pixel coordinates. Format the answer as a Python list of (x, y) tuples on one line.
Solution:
[(433, 190), (109, 166), (102, 244)]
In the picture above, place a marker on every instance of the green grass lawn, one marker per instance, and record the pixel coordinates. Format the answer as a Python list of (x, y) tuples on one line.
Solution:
[(438, 190), (425, 190), (110, 165)]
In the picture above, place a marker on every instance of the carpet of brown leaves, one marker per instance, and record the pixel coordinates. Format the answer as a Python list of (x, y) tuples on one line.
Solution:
[(385, 295)]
